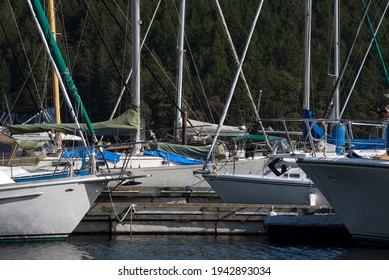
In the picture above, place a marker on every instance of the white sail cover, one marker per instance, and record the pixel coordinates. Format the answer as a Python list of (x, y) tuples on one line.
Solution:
[(204, 128)]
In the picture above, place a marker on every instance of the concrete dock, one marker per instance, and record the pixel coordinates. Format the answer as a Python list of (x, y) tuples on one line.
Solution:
[(155, 210)]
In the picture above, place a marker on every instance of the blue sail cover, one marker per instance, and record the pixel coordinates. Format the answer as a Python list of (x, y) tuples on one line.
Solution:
[(172, 157), (360, 143)]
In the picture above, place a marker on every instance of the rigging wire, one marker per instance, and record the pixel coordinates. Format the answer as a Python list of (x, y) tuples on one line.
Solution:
[(330, 34), (65, 42), (235, 56), (25, 53), (64, 38), (362, 64), (125, 44), (227, 66), (147, 48), (8, 110), (336, 86), (106, 47), (192, 83), (189, 76), (222, 118), (19, 67), (126, 38), (80, 40), (357, 63), (376, 44), (147, 67)]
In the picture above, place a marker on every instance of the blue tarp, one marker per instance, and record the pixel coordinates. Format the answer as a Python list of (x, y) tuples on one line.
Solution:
[(82, 153), (368, 143), (172, 157), (318, 133)]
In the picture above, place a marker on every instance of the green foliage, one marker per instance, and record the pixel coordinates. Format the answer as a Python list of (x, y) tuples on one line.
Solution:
[(274, 62)]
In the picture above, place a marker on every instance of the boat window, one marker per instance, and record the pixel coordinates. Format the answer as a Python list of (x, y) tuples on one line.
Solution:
[(294, 175)]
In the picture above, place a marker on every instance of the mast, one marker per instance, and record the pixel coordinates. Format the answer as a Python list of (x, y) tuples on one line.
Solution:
[(135, 56), (180, 68), (376, 44), (236, 58), (331, 98), (57, 112), (363, 61), (336, 59), (307, 60), (60, 66), (231, 93)]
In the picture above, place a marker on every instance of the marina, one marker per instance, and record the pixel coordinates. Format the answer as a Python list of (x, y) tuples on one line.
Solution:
[(198, 211), (197, 193)]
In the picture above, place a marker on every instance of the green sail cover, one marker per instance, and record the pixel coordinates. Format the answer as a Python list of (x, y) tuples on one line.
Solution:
[(60, 63), (195, 152), (126, 124)]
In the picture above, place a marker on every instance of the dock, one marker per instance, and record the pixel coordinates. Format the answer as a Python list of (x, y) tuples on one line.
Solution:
[(156, 210)]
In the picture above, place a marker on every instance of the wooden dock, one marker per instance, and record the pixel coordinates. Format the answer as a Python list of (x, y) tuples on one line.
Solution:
[(153, 210)]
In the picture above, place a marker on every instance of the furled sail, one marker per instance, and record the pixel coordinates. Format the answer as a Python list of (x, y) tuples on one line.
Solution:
[(195, 127), (125, 125)]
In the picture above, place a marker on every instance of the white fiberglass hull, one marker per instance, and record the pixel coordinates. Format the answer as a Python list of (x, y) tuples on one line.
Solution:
[(358, 190), (167, 174), (47, 208), (185, 175), (256, 189)]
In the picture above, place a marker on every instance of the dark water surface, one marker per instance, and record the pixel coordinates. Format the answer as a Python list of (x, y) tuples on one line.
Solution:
[(181, 247)]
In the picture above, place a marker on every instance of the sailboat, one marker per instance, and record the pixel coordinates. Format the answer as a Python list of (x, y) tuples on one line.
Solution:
[(356, 187), (52, 207), (288, 186), (160, 161), (47, 209), (291, 185)]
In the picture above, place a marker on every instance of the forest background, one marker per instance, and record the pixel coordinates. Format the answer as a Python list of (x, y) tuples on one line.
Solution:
[(95, 39)]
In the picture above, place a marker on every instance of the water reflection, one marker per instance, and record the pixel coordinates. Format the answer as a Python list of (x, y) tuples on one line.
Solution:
[(44, 250), (168, 247)]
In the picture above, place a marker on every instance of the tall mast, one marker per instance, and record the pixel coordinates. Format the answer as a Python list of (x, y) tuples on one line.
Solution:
[(57, 112), (60, 65), (231, 93), (336, 58), (135, 56), (331, 98), (307, 62), (180, 68)]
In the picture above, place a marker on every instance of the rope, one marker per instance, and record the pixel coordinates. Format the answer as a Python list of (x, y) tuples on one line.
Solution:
[(311, 127), (131, 209), (311, 138)]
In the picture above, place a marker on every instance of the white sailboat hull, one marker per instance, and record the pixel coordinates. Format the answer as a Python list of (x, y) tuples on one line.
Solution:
[(185, 175), (358, 190), (164, 173), (256, 189), (46, 209)]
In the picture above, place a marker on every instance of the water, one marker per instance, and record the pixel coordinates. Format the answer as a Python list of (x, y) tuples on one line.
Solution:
[(181, 247)]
